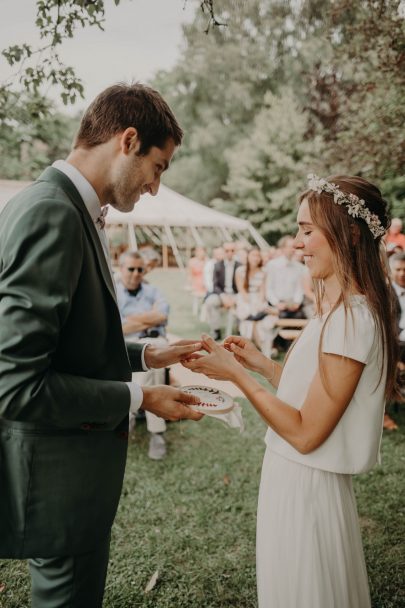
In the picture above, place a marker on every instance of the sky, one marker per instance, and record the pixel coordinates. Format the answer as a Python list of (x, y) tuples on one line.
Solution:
[(140, 38)]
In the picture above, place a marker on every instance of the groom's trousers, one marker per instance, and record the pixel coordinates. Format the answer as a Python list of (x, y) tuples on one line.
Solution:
[(70, 582)]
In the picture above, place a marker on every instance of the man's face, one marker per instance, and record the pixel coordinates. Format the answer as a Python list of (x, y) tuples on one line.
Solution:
[(229, 251), (396, 226), (398, 272), (288, 249), (132, 271), (133, 175)]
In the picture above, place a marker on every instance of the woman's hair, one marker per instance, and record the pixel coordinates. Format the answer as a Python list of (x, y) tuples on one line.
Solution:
[(248, 268), (359, 260)]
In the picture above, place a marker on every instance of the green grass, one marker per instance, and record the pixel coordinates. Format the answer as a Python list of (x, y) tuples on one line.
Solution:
[(192, 516)]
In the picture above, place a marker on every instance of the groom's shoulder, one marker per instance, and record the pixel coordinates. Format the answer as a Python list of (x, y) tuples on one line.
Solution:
[(40, 202), (38, 191)]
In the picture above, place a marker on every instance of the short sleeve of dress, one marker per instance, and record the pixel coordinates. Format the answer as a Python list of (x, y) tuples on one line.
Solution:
[(351, 335)]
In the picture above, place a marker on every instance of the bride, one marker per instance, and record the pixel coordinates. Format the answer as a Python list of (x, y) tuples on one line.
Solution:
[(325, 422)]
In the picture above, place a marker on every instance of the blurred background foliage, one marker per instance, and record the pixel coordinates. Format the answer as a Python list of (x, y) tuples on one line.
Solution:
[(280, 90)]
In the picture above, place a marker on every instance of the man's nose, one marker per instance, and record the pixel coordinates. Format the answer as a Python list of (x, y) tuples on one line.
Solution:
[(154, 186)]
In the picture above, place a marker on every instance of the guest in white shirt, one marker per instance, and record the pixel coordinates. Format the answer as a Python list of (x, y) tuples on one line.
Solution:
[(217, 256), (397, 265), (284, 281), (224, 290)]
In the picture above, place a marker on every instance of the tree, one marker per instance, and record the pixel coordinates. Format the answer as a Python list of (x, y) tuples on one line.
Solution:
[(27, 146), (56, 21), (370, 132), (342, 63), (266, 168), (218, 87), (31, 131)]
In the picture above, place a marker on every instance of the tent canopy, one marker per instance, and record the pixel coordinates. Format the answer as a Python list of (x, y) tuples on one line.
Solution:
[(168, 220), (168, 208)]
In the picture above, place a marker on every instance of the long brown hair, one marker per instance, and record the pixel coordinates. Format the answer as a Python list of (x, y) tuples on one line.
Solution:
[(359, 259), (248, 269)]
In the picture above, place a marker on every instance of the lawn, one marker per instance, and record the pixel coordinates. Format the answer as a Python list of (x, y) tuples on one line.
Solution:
[(191, 517)]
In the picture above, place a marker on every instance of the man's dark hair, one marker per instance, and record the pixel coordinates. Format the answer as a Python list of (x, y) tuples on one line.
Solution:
[(122, 106)]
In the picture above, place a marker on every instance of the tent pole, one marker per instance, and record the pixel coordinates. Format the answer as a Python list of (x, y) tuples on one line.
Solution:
[(132, 238), (260, 241), (149, 233), (226, 234), (196, 236), (173, 245), (165, 256)]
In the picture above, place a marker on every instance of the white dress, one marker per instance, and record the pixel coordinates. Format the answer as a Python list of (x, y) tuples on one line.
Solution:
[(309, 549), (265, 330)]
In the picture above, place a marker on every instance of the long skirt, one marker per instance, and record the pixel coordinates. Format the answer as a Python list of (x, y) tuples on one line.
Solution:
[(309, 549)]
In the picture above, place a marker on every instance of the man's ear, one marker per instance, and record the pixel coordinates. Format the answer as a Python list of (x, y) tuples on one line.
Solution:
[(129, 141)]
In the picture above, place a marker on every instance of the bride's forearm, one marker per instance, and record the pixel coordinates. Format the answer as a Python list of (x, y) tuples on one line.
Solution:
[(281, 417), (271, 371)]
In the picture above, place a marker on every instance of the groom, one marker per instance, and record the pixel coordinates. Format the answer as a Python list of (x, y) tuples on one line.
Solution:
[(65, 371)]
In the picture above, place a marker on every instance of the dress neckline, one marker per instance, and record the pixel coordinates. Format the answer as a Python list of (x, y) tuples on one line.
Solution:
[(357, 297)]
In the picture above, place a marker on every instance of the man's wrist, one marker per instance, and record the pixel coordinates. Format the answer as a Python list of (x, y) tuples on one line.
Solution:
[(145, 365), (149, 356)]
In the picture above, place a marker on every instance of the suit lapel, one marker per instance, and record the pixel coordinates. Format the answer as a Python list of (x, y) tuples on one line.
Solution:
[(60, 179)]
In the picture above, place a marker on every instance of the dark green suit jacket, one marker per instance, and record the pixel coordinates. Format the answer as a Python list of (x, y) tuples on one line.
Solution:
[(63, 366)]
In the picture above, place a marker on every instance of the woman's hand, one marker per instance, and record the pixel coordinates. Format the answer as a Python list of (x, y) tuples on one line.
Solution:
[(218, 364), (246, 353)]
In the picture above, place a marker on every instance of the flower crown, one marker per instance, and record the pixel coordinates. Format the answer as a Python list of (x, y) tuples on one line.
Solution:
[(356, 207)]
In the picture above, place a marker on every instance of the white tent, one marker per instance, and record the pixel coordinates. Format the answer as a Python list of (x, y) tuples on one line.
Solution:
[(168, 220)]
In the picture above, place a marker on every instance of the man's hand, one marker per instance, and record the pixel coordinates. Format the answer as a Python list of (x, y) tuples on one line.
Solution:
[(169, 403), (162, 356)]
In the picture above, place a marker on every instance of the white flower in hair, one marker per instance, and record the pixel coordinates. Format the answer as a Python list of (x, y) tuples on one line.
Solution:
[(356, 207)]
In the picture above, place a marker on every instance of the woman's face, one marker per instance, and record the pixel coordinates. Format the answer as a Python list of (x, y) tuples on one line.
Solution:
[(312, 243), (254, 259)]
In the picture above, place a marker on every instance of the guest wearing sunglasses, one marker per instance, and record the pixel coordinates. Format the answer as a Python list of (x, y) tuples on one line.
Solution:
[(144, 311)]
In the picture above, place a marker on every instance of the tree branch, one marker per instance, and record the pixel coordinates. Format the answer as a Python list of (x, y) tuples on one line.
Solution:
[(207, 6)]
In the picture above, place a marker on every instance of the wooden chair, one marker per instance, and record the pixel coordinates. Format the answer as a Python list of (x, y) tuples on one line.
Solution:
[(290, 329)]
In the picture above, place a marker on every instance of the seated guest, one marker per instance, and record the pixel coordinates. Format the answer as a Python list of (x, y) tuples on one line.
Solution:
[(217, 256), (152, 257), (257, 319), (224, 290), (395, 237), (144, 312), (308, 304), (284, 284), (241, 252), (195, 271), (397, 267), (269, 254)]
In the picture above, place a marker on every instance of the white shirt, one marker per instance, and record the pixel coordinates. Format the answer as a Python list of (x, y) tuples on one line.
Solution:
[(354, 444), (93, 206), (208, 275), (400, 291), (284, 281), (229, 270)]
